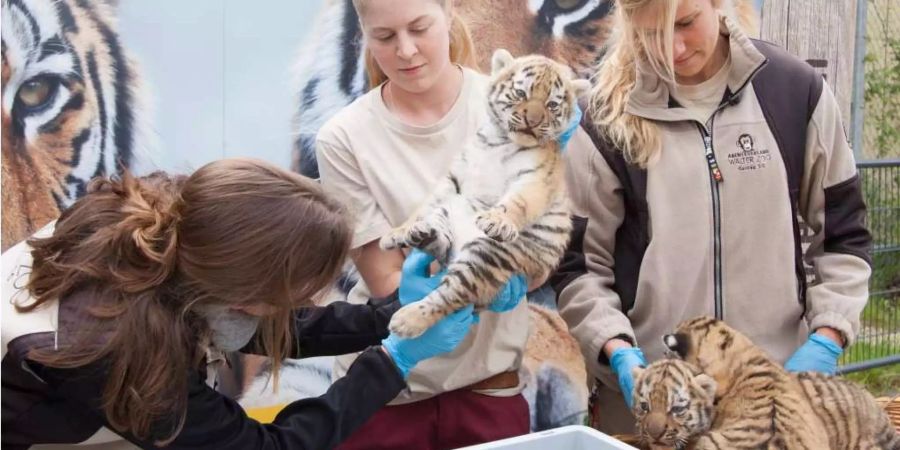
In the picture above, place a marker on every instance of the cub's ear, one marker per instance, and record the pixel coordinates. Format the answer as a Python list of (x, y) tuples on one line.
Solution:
[(707, 383), (501, 60), (582, 87), (676, 345)]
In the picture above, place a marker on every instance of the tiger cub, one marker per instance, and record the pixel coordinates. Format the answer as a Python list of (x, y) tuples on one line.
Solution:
[(673, 402), (758, 404), (502, 207)]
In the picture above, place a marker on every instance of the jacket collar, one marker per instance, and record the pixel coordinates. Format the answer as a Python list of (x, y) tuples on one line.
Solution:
[(651, 97)]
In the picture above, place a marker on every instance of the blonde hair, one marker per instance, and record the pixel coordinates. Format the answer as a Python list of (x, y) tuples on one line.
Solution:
[(637, 137), (462, 49)]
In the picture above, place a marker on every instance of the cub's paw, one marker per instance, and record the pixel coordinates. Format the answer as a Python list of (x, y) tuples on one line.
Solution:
[(496, 225), (421, 234), (412, 320), (396, 238)]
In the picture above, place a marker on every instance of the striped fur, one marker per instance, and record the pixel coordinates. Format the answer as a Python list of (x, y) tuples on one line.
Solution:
[(502, 207), (851, 415), (69, 107), (760, 405), (673, 402)]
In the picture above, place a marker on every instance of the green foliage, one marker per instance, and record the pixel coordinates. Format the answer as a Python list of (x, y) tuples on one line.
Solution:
[(882, 80), (880, 381)]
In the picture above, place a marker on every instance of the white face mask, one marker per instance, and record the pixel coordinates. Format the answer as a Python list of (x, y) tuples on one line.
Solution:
[(231, 329)]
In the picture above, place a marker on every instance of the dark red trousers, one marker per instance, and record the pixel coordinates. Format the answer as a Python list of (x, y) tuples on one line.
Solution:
[(450, 420)]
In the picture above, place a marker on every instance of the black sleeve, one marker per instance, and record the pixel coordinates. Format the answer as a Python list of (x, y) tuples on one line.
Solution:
[(338, 328), (572, 264), (215, 421)]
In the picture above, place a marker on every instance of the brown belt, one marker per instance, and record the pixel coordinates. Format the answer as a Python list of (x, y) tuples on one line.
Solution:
[(503, 380)]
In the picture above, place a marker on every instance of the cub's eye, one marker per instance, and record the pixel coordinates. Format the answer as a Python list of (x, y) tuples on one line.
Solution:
[(37, 92), (521, 94), (553, 106), (644, 406), (677, 409)]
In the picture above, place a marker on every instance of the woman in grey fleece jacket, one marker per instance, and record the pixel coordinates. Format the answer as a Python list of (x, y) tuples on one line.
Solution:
[(686, 188)]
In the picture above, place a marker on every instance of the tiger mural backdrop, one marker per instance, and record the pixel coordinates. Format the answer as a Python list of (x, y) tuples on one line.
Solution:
[(72, 105)]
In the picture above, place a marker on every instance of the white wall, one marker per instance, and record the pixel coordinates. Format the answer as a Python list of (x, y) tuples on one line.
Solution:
[(219, 75)]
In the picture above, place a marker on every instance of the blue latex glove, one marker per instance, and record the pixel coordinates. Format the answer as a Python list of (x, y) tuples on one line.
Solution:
[(510, 294), (818, 354), (622, 361), (415, 281), (570, 129), (442, 337)]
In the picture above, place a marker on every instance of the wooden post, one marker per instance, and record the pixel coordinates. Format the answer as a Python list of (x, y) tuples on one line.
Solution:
[(820, 32)]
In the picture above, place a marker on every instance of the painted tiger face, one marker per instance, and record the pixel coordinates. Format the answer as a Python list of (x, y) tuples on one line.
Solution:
[(533, 97), (67, 107), (673, 401), (569, 31)]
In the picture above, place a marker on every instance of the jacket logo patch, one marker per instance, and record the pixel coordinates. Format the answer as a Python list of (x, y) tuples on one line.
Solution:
[(745, 142), (748, 157)]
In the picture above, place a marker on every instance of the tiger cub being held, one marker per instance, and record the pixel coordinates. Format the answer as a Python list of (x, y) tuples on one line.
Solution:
[(502, 208), (757, 404)]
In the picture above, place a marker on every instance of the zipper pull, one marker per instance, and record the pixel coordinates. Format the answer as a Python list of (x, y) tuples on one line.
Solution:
[(711, 159)]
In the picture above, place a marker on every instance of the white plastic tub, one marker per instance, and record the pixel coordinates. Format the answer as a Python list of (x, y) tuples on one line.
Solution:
[(572, 437)]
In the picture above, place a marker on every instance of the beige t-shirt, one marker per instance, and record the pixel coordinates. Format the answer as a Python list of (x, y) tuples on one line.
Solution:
[(703, 98), (385, 169)]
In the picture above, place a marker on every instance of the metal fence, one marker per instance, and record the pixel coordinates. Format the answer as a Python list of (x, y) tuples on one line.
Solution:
[(878, 342)]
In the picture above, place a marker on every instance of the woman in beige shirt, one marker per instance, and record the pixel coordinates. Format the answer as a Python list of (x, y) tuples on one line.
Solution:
[(384, 153)]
